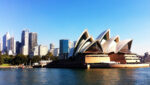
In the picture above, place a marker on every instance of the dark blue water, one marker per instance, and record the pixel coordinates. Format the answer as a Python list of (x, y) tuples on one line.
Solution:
[(51, 76)]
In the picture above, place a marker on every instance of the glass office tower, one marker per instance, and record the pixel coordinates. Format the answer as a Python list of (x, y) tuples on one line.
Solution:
[(64, 48)]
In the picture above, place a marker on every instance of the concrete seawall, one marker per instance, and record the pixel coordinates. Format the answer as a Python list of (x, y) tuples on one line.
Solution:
[(128, 65)]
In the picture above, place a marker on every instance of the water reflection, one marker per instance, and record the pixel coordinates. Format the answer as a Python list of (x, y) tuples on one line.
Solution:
[(43, 76)]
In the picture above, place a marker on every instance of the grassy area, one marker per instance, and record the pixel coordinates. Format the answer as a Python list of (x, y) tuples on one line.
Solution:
[(5, 65)]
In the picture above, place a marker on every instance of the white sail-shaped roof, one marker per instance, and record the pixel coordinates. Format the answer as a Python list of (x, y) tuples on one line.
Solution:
[(90, 45), (84, 44), (124, 46), (110, 45), (103, 43), (104, 36), (81, 39), (117, 38)]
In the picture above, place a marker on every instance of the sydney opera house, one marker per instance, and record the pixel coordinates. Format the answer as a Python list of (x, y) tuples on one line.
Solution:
[(104, 49)]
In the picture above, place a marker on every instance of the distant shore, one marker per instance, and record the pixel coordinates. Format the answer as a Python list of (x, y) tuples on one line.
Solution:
[(14, 66), (9, 66)]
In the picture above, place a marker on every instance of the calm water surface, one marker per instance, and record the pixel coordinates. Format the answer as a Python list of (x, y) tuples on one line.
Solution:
[(51, 76)]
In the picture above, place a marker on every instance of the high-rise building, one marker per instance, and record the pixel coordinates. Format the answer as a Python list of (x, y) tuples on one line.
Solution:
[(51, 46), (25, 37), (74, 43), (18, 47), (25, 42), (11, 46), (5, 42), (71, 48), (1, 46), (64, 48), (43, 50), (56, 52), (25, 50), (36, 51), (51, 50), (32, 41), (71, 44)]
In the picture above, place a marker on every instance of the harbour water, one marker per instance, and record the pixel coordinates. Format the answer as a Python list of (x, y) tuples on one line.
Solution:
[(55, 76)]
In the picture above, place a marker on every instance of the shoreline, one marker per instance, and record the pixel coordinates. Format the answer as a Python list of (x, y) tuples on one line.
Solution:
[(142, 65), (79, 66), (8, 66), (93, 65), (15, 67)]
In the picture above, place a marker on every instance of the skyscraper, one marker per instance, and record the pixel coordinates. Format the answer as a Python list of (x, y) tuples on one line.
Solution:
[(35, 51), (51, 50), (51, 46), (74, 43), (25, 42), (71, 48), (32, 41), (1, 46), (18, 47), (12, 46), (64, 48), (56, 52), (5, 42)]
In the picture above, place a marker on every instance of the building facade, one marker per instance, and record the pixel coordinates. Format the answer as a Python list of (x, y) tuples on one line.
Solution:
[(32, 41), (25, 42), (43, 50), (18, 47), (52, 46), (12, 46), (1, 45), (52, 49), (36, 51), (64, 48), (6, 37), (56, 52)]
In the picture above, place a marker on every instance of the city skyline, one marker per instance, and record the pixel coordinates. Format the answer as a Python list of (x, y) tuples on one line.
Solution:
[(55, 20)]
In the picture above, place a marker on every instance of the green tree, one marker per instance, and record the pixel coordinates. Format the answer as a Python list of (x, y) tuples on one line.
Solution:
[(7, 59), (49, 56), (35, 59), (20, 59), (1, 58)]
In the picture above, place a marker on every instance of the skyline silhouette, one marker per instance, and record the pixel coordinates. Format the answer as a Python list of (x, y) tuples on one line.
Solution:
[(55, 19)]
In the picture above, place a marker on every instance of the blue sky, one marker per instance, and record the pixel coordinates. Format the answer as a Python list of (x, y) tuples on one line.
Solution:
[(66, 19)]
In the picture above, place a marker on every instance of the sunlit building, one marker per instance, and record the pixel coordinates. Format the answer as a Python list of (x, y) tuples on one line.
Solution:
[(43, 50), (1, 45), (56, 52), (104, 49), (25, 42), (6, 37), (53, 50), (32, 41), (11, 46), (25, 50), (52, 46), (36, 51)]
